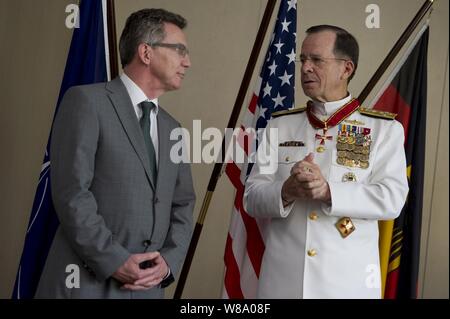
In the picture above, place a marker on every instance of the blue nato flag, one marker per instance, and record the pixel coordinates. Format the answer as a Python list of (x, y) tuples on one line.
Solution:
[(86, 63)]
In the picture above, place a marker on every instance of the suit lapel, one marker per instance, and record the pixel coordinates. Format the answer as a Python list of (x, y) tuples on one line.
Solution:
[(125, 111), (163, 146)]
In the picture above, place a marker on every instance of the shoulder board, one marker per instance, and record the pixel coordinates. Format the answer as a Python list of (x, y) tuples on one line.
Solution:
[(291, 111), (376, 113)]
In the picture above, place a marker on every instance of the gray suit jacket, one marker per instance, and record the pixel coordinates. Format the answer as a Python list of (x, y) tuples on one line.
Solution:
[(106, 202)]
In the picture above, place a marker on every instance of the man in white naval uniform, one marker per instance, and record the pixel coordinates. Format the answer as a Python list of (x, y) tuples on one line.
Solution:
[(341, 168)]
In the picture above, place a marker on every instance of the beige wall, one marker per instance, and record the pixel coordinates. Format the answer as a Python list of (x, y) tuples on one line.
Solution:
[(34, 46), (220, 35)]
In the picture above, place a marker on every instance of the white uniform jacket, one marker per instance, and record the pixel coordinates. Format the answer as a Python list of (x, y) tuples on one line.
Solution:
[(305, 254)]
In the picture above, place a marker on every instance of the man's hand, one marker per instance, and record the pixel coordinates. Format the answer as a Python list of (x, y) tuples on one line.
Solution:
[(135, 278), (306, 181)]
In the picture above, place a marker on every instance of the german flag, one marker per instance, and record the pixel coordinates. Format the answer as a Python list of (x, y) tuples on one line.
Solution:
[(406, 95)]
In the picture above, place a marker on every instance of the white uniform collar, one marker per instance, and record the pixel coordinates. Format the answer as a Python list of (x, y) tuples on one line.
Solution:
[(135, 92), (324, 110)]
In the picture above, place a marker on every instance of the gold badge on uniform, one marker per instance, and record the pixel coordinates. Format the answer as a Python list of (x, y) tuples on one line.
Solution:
[(349, 177), (345, 226), (354, 122), (353, 146), (292, 143), (320, 149)]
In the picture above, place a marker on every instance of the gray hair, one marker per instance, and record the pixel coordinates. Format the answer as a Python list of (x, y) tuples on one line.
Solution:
[(345, 44), (146, 25)]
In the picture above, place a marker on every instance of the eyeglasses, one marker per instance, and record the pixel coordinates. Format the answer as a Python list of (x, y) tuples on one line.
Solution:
[(179, 47), (317, 60)]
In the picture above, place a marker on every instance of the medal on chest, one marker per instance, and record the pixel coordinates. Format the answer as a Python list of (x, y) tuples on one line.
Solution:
[(336, 118), (323, 138), (353, 146)]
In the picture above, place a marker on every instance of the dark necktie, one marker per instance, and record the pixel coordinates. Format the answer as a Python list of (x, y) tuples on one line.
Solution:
[(145, 126)]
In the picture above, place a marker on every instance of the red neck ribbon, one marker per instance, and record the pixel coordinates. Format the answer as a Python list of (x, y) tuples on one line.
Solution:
[(336, 118)]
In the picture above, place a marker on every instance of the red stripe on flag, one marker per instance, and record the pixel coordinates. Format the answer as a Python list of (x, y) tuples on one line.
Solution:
[(255, 243), (246, 139), (392, 101), (234, 174), (232, 275), (253, 103), (390, 292)]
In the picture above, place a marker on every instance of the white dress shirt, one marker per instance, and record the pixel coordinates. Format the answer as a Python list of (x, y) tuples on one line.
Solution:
[(137, 96), (324, 110)]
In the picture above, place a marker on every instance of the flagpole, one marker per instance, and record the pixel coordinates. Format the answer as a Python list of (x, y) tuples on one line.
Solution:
[(216, 173), (112, 39), (395, 50)]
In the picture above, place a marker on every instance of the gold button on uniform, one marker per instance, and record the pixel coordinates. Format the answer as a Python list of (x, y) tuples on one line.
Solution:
[(312, 252), (287, 158), (313, 216)]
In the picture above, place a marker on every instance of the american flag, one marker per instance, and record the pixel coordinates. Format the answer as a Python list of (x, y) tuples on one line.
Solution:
[(274, 92)]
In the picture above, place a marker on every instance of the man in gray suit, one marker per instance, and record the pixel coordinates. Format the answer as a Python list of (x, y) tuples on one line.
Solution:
[(125, 208)]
